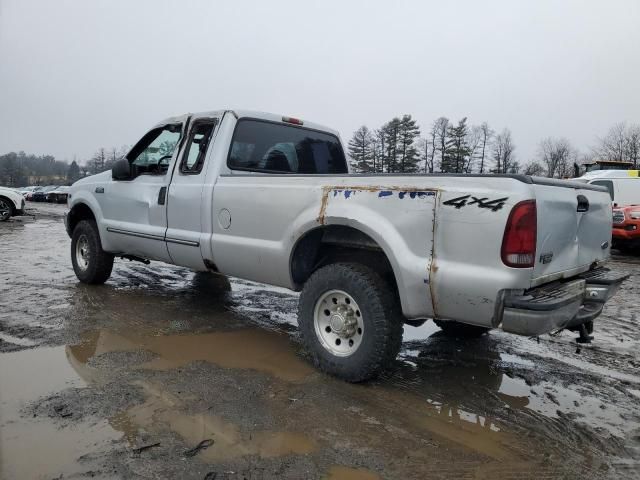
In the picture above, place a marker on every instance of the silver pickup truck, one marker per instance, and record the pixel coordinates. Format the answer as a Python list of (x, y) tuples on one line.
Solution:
[(270, 198)]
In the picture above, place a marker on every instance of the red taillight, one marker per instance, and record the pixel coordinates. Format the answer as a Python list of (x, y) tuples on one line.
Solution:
[(519, 241), (294, 121)]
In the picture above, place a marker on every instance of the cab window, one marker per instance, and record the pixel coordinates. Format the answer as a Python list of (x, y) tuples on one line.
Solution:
[(153, 152), (196, 150), (608, 184), (264, 146)]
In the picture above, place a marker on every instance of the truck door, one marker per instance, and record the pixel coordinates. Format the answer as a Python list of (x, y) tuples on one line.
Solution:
[(135, 210), (185, 228)]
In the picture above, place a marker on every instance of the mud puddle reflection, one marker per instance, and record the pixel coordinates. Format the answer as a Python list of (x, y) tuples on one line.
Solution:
[(253, 349), (162, 410)]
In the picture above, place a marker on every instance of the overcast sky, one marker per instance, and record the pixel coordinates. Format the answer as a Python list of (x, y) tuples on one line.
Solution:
[(78, 75)]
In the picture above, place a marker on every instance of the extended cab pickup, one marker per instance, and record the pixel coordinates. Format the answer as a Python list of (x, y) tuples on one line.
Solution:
[(270, 199)]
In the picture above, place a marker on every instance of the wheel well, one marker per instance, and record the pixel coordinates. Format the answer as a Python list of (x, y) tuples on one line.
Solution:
[(337, 243), (11, 204), (79, 212)]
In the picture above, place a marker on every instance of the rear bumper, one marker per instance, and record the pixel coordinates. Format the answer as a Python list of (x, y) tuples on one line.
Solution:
[(560, 304)]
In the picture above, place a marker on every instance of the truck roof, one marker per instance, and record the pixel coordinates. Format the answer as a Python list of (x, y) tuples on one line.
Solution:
[(239, 113)]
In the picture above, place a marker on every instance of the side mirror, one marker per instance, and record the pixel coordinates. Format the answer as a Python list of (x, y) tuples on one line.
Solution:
[(121, 170)]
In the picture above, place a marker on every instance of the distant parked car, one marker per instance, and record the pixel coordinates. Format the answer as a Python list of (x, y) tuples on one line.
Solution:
[(59, 195), (29, 194), (41, 195), (11, 203)]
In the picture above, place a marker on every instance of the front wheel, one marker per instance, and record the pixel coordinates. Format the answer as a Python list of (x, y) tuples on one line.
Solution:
[(6, 209), (350, 321), (90, 263)]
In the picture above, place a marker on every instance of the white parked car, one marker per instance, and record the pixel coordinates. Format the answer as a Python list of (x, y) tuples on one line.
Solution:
[(622, 185), (11, 203), (270, 199)]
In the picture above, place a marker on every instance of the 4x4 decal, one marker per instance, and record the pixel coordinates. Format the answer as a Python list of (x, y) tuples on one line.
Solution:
[(493, 205)]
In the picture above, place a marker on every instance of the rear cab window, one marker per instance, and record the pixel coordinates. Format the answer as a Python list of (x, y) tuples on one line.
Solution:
[(272, 147)]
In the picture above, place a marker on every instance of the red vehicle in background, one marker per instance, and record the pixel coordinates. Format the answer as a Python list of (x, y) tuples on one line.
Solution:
[(624, 188), (626, 228)]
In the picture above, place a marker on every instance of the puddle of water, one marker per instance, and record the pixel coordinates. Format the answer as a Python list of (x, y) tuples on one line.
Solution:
[(36, 448), (161, 409), (254, 349), (29, 374), (339, 472)]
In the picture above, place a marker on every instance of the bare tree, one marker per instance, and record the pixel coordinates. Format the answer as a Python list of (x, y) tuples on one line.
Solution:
[(621, 144), (633, 144), (503, 155), (98, 161), (534, 168), (487, 135), (474, 142), (558, 157), (424, 149), (439, 131)]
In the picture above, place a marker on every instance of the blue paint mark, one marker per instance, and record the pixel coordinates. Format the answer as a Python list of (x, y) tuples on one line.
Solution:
[(402, 194), (385, 193), (336, 192), (347, 193)]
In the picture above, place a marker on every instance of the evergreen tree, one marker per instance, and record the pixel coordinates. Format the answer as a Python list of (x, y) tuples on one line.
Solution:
[(73, 172), (378, 149), (391, 134), (458, 149), (408, 132), (361, 150)]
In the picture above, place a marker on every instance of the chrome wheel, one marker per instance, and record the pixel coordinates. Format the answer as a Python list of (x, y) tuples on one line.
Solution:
[(82, 252), (5, 210), (338, 323)]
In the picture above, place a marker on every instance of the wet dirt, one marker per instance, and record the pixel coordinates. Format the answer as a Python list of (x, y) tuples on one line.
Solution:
[(163, 358)]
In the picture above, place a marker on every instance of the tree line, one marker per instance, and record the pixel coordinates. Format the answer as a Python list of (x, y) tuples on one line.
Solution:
[(396, 147), (449, 147), (457, 147), (19, 169)]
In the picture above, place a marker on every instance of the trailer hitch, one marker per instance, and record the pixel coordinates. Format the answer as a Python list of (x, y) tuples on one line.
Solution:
[(584, 335)]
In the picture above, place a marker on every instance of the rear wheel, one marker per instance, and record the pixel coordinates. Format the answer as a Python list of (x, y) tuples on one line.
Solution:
[(6, 209), (350, 321), (90, 263), (457, 329)]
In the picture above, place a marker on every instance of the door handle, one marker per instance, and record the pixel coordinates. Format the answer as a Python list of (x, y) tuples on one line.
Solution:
[(162, 196), (583, 203)]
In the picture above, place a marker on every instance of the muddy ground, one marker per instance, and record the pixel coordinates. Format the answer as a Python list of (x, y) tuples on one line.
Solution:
[(122, 380)]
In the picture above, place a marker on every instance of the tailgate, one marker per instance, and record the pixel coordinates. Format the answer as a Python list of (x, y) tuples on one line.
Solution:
[(574, 228)]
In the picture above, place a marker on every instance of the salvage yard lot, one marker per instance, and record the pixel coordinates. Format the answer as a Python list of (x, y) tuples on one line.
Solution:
[(163, 358)]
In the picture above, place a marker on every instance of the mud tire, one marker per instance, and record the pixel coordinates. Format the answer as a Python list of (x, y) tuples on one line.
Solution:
[(381, 314), (6, 205), (100, 263), (460, 330)]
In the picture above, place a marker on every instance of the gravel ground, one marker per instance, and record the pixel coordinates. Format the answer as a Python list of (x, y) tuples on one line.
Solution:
[(123, 380)]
